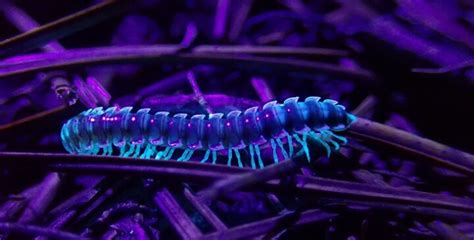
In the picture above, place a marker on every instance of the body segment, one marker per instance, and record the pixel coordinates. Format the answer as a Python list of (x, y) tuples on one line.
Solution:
[(140, 133)]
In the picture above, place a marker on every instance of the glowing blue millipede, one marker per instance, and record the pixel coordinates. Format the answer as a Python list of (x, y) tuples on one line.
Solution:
[(141, 134)]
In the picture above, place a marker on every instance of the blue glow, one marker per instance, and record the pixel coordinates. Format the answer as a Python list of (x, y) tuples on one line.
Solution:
[(252, 159), (239, 162), (206, 156)]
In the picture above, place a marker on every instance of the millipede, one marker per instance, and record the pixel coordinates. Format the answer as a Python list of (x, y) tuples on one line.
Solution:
[(157, 135)]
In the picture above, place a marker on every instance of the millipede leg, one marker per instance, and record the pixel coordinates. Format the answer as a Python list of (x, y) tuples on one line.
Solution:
[(239, 162), (322, 142), (327, 137), (206, 156), (183, 156), (145, 152), (259, 157), (214, 157), (283, 151), (252, 159), (160, 154), (170, 154), (229, 157), (304, 144), (290, 145), (275, 155), (130, 150)]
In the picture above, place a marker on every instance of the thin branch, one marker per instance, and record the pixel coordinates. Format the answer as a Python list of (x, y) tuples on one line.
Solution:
[(198, 93), (12, 207), (32, 231), (435, 17), (427, 149), (61, 27), (261, 227), (271, 50), (168, 54), (207, 173), (76, 200), (446, 69), (247, 179), (220, 19), (42, 199), (32, 118)]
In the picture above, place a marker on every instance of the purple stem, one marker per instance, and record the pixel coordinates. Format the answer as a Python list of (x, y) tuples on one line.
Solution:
[(387, 29), (261, 227), (366, 107), (262, 89), (239, 17), (11, 208), (25, 23), (205, 211), (423, 148), (220, 20), (45, 194), (59, 222), (61, 27), (176, 215), (76, 200)]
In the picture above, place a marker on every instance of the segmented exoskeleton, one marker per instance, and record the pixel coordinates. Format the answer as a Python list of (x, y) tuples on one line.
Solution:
[(141, 134)]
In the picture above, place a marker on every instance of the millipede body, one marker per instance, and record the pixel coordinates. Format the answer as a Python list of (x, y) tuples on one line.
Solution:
[(157, 135)]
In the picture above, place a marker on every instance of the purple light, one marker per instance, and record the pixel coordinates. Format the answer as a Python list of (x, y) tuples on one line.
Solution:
[(189, 124), (246, 120), (208, 125), (266, 115), (92, 119), (288, 110), (133, 119), (228, 124)]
